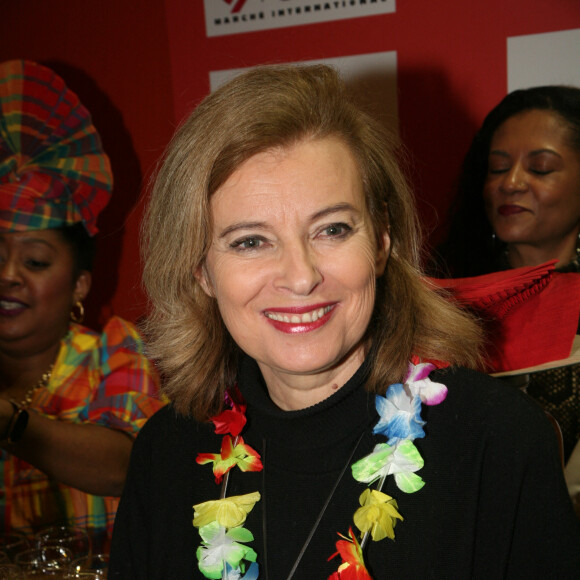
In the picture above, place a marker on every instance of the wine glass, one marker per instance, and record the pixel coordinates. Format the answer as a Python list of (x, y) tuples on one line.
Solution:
[(45, 561), (76, 540), (96, 564)]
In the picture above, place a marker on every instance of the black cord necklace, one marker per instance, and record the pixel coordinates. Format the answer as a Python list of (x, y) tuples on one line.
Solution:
[(318, 519)]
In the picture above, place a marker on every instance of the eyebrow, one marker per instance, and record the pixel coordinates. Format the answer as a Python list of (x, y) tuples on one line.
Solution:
[(31, 241), (533, 153), (339, 207), (242, 226)]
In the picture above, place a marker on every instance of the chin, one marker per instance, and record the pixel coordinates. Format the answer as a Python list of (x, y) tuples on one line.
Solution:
[(298, 365), (306, 367), (510, 236), (308, 362)]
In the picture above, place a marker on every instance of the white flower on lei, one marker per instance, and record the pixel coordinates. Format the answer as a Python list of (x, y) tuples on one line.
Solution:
[(400, 460), (419, 384), (220, 547)]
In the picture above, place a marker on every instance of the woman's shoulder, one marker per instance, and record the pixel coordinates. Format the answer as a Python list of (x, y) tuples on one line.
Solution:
[(120, 332), (470, 386), (491, 422), (167, 426), (490, 403), (115, 355), (117, 333)]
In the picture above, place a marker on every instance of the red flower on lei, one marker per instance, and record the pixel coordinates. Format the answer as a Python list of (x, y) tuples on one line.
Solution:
[(233, 452), (231, 420), (352, 567)]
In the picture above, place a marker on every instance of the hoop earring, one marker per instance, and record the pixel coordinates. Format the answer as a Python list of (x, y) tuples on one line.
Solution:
[(79, 316)]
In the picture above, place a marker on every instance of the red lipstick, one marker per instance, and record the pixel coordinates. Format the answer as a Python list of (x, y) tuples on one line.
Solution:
[(323, 313)]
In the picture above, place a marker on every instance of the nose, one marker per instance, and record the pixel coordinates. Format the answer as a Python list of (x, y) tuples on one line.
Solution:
[(298, 271), (514, 180), (9, 273)]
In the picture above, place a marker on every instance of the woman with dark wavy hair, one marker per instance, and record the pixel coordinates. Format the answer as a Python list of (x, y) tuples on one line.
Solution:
[(518, 205), (518, 200)]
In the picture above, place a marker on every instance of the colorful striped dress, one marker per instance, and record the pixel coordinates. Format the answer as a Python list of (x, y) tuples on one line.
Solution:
[(104, 379)]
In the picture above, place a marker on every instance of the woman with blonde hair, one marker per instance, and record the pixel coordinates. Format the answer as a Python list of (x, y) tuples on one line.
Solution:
[(313, 369)]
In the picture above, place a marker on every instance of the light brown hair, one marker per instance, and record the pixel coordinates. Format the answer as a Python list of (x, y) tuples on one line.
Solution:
[(268, 107)]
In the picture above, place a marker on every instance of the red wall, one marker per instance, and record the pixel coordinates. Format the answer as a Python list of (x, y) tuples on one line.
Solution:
[(141, 66)]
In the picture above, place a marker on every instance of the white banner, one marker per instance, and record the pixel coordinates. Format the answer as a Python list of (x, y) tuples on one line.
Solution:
[(551, 58), (233, 16)]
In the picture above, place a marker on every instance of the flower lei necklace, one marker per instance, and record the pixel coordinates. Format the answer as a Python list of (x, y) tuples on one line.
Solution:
[(223, 552)]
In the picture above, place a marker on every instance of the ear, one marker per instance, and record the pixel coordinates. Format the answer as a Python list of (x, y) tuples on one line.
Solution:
[(82, 286), (204, 280), (383, 252)]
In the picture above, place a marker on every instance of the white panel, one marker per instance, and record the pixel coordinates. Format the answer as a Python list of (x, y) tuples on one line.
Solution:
[(552, 58)]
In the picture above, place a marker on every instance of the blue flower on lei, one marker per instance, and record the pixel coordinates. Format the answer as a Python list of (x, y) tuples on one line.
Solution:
[(400, 415), (251, 574), (400, 422)]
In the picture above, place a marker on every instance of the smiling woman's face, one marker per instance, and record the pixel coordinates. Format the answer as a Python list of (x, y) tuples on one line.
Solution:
[(37, 290), (293, 266), (532, 190)]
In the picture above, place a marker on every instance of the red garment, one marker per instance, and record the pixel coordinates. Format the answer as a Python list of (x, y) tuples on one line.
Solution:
[(531, 314)]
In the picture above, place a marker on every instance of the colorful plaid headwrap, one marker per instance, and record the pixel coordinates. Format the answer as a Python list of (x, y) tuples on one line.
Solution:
[(53, 170)]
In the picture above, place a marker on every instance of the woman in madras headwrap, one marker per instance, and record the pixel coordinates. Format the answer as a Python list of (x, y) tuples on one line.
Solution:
[(71, 400)]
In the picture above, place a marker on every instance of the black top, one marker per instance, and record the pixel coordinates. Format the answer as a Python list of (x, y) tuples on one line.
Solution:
[(494, 505)]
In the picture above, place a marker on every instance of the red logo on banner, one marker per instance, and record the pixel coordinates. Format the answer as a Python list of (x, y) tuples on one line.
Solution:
[(237, 5)]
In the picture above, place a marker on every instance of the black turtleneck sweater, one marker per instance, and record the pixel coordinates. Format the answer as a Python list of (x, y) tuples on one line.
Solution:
[(494, 504)]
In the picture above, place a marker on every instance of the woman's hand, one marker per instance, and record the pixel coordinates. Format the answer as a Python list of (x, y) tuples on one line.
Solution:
[(88, 457)]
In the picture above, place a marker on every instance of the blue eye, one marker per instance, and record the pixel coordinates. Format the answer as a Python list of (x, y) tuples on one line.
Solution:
[(336, 230), (249, 243)]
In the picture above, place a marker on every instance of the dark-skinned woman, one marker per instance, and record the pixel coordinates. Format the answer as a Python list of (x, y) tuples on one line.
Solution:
[(71, 399)]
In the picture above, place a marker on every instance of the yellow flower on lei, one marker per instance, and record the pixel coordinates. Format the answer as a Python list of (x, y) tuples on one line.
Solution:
[(378, 514), (228, 512)]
